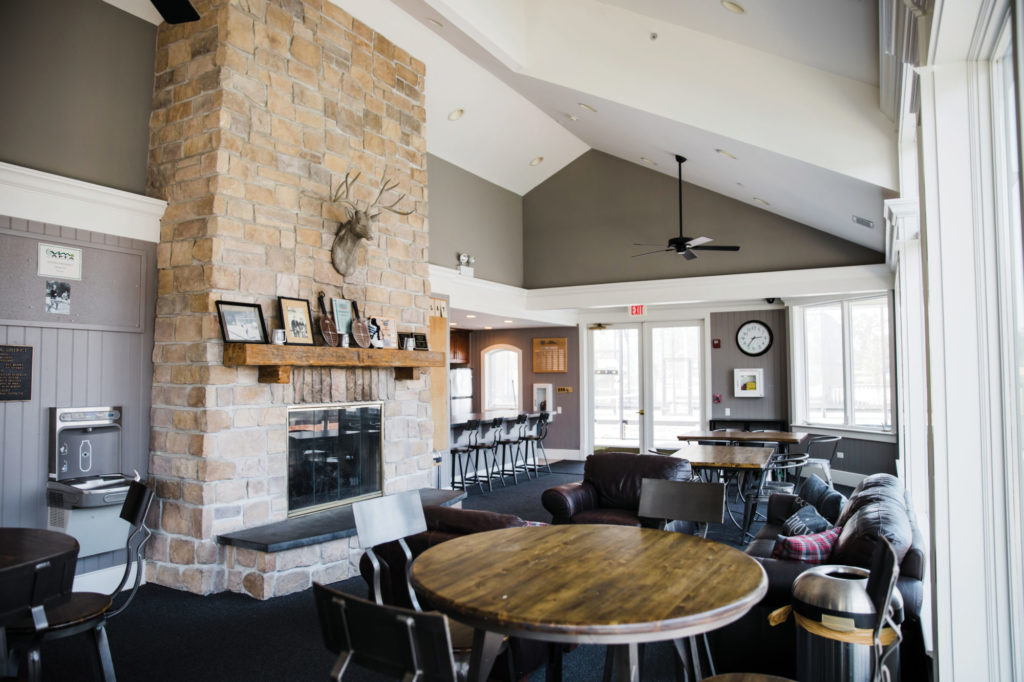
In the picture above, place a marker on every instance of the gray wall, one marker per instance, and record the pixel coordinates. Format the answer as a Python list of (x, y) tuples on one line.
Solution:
[(775, 403), (579, 227), (564, 432), (469, 214), (77, 86), (77, 359)]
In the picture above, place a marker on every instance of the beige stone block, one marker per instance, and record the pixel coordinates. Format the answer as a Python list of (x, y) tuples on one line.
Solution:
[(259, 281), (303, 73), (177, 443), (294, 581), (200, 445), (213, 421), (208, 552), (216, 374), (331, 574), (175, 518), (230, 491), (239, 30), (241, 444), (215, 470), (168, 576), (189, 278), (188, 328), (255, 513), (197, 493), (158, 547)]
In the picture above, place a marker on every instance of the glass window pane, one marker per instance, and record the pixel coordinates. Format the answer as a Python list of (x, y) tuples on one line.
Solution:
[(501, 381), (676, 382), (869, 347), (823, 347), (616, 388)]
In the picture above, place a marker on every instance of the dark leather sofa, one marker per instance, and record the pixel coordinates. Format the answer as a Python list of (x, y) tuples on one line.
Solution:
[(610, 489), (443, 524), (879, 506)]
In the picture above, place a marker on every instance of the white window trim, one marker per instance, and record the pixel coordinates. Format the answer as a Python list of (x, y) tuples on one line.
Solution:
[(798, 371), (484, 407)]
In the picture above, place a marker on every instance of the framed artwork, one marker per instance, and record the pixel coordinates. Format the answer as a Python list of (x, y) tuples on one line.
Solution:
[(387, 329), (297, 321), (241, 322), (748, 383), (342, 309)]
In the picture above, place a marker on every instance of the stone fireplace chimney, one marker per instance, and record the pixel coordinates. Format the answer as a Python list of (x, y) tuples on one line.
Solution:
[(259, 108)]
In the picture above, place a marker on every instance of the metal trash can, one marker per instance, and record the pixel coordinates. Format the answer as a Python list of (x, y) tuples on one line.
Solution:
[(834, 620)]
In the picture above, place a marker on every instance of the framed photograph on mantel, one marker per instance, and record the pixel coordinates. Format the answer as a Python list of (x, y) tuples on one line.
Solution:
[(241, 322), (297, 321), (748, 383)]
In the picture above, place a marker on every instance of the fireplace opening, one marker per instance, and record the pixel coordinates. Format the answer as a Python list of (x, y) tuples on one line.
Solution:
[(334, 455)]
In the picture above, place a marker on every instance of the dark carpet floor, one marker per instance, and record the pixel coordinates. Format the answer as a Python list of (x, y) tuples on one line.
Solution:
[(167, 635)]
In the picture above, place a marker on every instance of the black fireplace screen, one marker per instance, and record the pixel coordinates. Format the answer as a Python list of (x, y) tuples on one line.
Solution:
[(334, 455)]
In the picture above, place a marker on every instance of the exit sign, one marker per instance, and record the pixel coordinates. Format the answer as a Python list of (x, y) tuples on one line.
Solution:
[(636, 310)]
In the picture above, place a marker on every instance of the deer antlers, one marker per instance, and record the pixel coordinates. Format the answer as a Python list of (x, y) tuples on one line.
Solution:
[(340, 195)]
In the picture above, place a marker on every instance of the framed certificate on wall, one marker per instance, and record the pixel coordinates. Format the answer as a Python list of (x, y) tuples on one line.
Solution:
[(549, 355)]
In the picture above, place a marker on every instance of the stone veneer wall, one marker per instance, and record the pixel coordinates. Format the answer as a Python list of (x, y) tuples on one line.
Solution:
[(258, 108)]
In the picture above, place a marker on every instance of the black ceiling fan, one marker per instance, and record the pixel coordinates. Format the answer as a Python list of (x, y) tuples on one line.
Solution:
[(685, 246), (176, 11)]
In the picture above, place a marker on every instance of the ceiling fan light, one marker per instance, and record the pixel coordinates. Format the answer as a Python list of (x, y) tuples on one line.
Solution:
[(688, 255)]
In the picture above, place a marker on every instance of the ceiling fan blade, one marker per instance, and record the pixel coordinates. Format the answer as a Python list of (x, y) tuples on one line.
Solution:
[(698, 241), (688, 255), (176, 11), (717, 248), (644, 244), (648, 253)]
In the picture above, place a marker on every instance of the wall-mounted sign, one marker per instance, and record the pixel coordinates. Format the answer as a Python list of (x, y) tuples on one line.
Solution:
[(564, 389), (64, 262), (636, 310), (549, 355), (15, 372)]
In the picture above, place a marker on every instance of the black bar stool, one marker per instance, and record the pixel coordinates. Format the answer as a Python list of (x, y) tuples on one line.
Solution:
[(511, 452), (486, 447), (463, 455), (534, 436)]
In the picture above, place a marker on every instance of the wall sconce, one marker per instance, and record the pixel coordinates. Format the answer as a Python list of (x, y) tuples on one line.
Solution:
[(465, 266)]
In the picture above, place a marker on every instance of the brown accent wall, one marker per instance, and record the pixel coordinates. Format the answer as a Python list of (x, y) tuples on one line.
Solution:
[(775, 362), (564, 432), (579, 227), (259, 109)]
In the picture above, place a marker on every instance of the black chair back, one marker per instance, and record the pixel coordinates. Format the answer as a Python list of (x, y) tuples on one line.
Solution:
[(134, 510), (29, 588), (682, 500), (823, 447), (387, 639)]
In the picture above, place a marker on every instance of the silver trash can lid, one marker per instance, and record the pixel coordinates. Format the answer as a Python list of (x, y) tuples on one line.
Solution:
[(836, 596)]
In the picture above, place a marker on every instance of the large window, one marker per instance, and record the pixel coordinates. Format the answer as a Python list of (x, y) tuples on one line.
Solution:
[(843, 362), (502, 380)]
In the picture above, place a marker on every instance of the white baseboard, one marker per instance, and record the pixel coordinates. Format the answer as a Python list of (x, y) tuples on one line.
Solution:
[(554, 454), (104, 580)]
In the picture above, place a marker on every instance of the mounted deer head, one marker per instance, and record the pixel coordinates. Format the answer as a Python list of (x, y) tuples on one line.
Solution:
[(359, 225)]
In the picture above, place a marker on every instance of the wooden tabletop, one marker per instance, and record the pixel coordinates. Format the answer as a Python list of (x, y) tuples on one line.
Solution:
[(596, 584), (787, 437), (21, 546), (725, 456)]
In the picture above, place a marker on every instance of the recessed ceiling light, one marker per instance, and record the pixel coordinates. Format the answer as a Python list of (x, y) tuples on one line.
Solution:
[(488, 327), (646, 160), (456, 114), (572, 117), (538, 161), (508, 321), (587, 107), (435, 22), (725, 153), (471, 316), (761, 201), (734, 7), (453, 324)]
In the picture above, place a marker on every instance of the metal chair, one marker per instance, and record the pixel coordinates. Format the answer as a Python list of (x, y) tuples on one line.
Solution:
[(402, 643), (89, 611), (463, 455), (780, 476), (534, 435), (486, 448), (821, 450), (881, 582), (510, 442)]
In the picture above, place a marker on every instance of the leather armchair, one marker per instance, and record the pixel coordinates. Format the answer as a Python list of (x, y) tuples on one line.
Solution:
[(610, 489)]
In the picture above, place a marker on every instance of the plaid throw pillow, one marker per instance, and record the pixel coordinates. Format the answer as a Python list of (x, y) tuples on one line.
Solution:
[(814, 549)]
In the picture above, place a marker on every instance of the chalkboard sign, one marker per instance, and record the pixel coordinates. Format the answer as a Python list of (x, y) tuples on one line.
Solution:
[(15, 372)]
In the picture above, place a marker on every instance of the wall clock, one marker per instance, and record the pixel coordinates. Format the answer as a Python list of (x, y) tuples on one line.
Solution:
[(754, 337)]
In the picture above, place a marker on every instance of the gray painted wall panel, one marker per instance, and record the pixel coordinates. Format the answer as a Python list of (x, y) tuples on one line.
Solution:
[(469, 214), (580, 224), (72, 365), (78, 103), (775, 403)]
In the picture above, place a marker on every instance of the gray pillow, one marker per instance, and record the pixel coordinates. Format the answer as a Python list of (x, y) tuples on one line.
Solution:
[(804, 521)]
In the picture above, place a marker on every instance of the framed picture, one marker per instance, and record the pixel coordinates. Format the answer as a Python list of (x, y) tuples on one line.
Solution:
[(387, 329), (342, 309), (748, 383), (297, 320), (241, 322)]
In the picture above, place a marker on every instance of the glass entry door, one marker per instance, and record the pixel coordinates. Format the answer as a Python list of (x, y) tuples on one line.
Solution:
[(646, 385)]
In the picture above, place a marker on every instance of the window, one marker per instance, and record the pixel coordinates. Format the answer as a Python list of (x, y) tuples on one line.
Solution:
[(843, 363), (502, 380)]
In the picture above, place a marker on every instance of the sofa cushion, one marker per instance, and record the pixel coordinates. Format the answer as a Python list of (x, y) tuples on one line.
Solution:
[(804, 521), (827, 501), (812, 549), (886, 518), (612, 517), (877, 495), (464, 521), (617, 476)]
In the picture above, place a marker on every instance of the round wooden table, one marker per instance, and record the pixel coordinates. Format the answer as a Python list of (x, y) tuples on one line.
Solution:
[(588, 584)]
